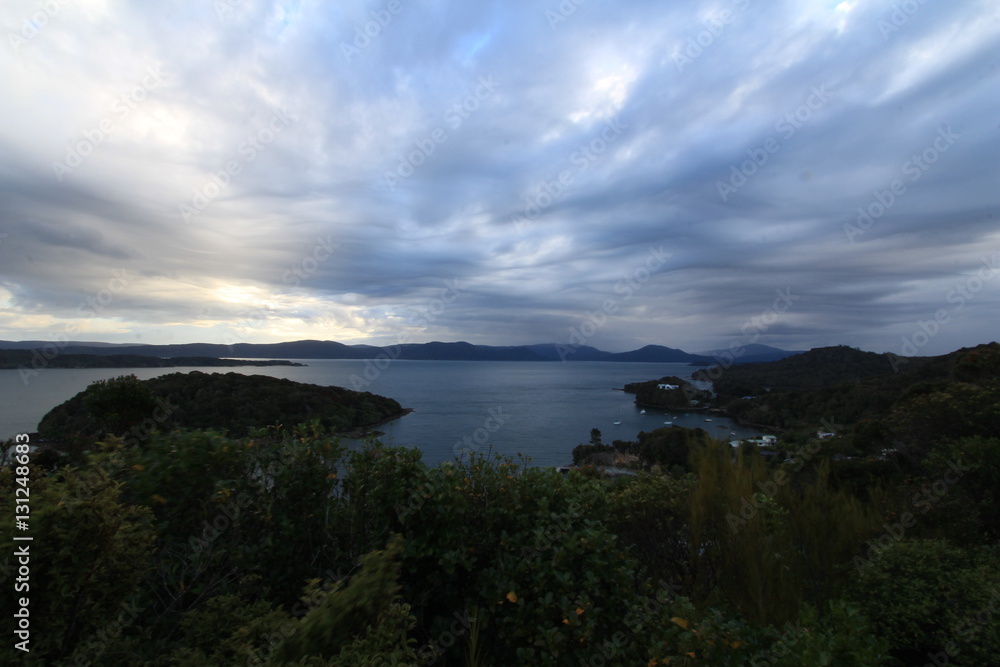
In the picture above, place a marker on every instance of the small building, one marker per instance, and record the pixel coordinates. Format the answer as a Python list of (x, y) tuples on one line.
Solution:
[(668, 386), (822, 435), (769, 440)]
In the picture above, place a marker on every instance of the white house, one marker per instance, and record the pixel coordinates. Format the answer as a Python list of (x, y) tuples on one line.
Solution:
[(668, 386)]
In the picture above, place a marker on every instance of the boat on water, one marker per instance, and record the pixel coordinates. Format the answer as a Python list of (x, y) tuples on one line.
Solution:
[(617, 422), (642, 412), (669, 423), (708, 420)]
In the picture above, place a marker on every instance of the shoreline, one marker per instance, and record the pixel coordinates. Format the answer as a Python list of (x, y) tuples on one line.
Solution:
[(356, 433), (671, 408), (360, 432)]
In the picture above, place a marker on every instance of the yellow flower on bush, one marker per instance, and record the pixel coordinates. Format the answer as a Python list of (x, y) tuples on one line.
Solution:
[(512, 596)]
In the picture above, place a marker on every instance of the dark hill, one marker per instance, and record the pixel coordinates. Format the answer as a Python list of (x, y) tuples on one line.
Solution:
[(233, 403), (816, 369), (300, 349), (438, 351), (659, 354), (842, 385), (564, 352), (755, 353)]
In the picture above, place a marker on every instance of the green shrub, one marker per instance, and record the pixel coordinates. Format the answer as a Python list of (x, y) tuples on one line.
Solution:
[(88, 557), (360, 619), (930, 598)]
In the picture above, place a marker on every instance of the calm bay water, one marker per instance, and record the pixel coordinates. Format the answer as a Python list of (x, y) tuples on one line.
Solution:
[(539, 409)]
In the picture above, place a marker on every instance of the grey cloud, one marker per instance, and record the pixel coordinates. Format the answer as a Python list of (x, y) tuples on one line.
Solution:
[(689, 124)]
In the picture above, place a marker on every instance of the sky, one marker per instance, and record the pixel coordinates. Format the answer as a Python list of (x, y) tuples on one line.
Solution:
[(699, 175)]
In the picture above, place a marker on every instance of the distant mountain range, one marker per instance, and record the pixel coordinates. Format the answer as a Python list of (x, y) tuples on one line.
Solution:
[(434, 351)]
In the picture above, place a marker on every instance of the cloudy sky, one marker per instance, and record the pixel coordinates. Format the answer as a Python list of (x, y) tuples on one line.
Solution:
[(691, 174)]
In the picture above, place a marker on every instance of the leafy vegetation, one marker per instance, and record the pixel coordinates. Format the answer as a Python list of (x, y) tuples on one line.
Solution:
[(281, 546), (819, 368), (845, 387), (667, 448), (683, 395)]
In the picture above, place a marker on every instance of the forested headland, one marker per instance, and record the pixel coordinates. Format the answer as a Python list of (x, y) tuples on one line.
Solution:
[(232, 403)]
